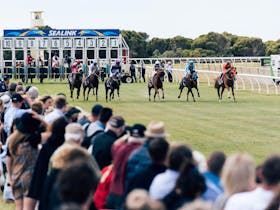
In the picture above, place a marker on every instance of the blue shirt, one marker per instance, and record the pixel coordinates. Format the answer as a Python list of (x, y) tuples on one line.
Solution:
[(214, 187)]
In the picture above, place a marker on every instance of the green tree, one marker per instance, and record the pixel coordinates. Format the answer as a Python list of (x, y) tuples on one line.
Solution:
[(137, 42), (246, 46), (272, 47)]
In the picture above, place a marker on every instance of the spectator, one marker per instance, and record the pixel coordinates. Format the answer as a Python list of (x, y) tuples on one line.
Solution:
[(238, 175), (37, 107), (72, 114), (139, 200), (12, 89), (121, 150), (47, 103), (189, 186), (261, 197), (60, 105), (14, 112), (197, 205), (158, 149), (165, 182), (40, 172), (212, 176), (103, 143), (22, 155), (33, 93), (140, 159), (77, 183)]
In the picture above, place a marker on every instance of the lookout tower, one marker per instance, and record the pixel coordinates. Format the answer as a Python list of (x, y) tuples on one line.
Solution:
[(36, 19)]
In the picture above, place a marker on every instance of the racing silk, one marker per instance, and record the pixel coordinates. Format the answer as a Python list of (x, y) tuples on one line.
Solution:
[(29, 60), (55, 62), (190, 68), (115, 70), (169, 68), (93, 68), (75, 67), (226, 68)]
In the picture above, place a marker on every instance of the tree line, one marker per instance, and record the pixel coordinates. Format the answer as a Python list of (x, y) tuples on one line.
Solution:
[(208, 45)]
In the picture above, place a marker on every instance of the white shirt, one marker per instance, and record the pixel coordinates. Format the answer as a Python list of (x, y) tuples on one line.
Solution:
[(257, 199), (163, 184), (55, 114)]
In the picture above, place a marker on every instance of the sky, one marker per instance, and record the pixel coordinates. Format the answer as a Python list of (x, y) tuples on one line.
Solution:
[(158, 18)]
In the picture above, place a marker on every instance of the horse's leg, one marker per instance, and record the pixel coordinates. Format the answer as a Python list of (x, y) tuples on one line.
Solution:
[(89, 88), (223, 89), (228, 92), (84, 92), (198, 94), (106, 90), (192, 95), (149, 90), (232, 90), (218, 91), (188, 94), (96, 93), (181, 89), (78, 93), (162, 93), (118, 92)]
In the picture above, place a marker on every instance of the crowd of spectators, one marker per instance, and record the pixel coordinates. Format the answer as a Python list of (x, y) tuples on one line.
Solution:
[(58, 157)]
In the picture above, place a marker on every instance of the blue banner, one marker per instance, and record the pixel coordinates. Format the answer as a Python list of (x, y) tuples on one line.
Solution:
[(62, 33)]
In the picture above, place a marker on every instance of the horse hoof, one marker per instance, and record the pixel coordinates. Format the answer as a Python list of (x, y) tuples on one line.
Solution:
[(179, 97)]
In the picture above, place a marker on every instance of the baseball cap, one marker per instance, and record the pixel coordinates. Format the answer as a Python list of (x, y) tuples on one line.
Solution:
[(16, 98), (6, 77), (117, 121)]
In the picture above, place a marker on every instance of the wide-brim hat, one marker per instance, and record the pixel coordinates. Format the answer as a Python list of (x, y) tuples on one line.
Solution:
[(156, 130)]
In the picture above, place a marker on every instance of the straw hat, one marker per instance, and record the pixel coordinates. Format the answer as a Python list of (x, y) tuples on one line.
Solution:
[(156, 130)]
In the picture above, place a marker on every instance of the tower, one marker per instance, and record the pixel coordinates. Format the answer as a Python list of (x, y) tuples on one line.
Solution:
[(36, 19)]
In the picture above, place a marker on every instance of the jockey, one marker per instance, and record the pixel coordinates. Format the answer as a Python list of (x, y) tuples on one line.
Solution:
[(190, 70), (76, 66), (93, 68), (115, 72), (169, 67), (226, 68)]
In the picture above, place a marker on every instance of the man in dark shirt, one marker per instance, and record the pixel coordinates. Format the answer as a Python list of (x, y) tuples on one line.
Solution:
[(103, 142)]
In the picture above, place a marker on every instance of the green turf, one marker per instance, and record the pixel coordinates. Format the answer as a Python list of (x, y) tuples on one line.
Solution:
[(250, 124)]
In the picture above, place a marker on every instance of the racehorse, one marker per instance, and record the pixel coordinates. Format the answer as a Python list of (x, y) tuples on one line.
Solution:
[(93, 83), (189, 82), (228, 82), (156, 82), (114, 85), (75, 81)]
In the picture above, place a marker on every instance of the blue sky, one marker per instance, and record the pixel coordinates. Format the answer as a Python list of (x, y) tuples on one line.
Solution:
[(158, 18)]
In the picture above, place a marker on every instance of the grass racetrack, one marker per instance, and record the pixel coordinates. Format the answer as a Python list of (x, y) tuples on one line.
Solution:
[(249, 125)]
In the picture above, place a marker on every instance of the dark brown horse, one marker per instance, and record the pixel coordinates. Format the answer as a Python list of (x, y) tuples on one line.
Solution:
[(156, 82), (227, 82), (190, 83), (75, 81), (93, 83), (112, 86)]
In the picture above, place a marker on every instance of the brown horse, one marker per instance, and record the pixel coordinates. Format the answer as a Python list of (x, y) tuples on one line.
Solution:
[(227, 82), (156, 82), (93, 83)]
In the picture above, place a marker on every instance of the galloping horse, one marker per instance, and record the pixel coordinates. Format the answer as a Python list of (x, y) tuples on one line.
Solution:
[(228, 82), (156, 82), (93, 82), (75, 81), (114, 85), (189, 82)]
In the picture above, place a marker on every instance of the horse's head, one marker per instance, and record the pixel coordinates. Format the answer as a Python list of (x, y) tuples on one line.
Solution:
[(232, 72), (161, 74)]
